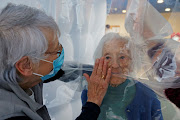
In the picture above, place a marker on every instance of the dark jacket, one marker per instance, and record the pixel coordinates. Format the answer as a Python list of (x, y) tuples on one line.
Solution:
[(144, 106)]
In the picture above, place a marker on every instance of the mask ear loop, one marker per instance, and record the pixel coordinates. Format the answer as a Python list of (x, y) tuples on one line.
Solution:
[(45, 61), (38, 74)]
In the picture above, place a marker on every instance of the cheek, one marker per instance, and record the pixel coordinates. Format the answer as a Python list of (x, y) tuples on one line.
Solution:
[(125, 66), (109, 63), (125, 63), (46, 69)]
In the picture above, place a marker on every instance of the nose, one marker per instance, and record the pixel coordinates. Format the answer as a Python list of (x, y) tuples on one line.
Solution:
[(114, 63)]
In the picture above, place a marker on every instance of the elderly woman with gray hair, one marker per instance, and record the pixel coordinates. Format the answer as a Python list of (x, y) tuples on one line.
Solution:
[(126, 98), (30, 54)]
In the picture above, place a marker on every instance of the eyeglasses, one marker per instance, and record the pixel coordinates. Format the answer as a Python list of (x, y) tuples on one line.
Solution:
[(56, 53)]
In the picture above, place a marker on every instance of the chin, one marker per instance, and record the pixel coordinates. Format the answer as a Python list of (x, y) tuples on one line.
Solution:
[(115, 81)]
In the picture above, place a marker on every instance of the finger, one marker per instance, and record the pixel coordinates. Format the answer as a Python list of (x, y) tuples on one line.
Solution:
[(86, 76), (108, 77), (104, 69), (95, 67), (99, 70)]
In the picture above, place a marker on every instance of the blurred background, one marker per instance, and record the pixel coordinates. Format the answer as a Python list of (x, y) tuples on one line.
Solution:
[(116, 10)]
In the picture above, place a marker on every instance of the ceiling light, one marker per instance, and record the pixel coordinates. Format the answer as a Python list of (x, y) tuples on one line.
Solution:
[(123, 11), (168, 9), (115, 9), (160, 1)]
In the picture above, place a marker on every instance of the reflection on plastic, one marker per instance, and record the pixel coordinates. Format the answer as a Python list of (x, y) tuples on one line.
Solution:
[(165, 65), (80, 13), (65, 6), (82, 24), (62, 100)]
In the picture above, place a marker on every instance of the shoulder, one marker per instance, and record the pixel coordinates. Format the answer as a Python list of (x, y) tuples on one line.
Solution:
[(11, 104), (144, 91), (146, 101)]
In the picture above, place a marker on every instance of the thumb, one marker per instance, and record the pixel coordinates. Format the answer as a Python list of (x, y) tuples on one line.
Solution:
[(86, 76)]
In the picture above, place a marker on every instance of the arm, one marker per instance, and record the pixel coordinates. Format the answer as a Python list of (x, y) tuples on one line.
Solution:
[(156, 110), (90, 111), (97, 86)]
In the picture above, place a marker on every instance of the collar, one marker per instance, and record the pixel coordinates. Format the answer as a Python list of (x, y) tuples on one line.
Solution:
[(25, 97)]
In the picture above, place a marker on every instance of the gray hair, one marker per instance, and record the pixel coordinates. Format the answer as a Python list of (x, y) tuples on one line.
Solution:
[(20, 35), (108, 37)]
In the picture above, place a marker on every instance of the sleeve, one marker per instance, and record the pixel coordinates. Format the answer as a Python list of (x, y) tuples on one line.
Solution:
[(19, 118), (90, 111), (156, 110)]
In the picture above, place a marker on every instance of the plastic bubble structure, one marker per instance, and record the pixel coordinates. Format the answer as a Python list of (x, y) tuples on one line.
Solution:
[(152, 49)]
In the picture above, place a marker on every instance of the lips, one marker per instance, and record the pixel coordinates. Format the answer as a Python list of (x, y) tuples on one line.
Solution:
[(116, 74)]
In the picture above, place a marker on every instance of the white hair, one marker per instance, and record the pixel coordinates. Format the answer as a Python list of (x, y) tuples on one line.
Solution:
[(130, 46), (20, 35), (108, 37)]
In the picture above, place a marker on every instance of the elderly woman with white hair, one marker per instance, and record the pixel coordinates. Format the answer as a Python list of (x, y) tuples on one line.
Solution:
[(126, 98), (30, 54)]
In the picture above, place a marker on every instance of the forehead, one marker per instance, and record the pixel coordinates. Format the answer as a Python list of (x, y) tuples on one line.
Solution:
[(51, 38), (115, 45), (49, 34)]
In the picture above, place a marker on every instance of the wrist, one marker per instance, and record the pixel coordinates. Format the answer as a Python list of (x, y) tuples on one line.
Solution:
[(95, 101)]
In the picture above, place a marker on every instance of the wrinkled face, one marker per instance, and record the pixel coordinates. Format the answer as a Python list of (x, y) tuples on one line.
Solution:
[(53, 48), (118, 55)]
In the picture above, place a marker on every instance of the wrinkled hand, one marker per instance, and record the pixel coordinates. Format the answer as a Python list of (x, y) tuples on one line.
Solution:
[(98, 82)]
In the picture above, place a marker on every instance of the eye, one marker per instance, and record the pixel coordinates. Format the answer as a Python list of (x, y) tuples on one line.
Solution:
[(122, 57), (107, 57)]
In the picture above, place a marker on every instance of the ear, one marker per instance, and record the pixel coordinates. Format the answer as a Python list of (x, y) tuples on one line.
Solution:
[(24, 66)]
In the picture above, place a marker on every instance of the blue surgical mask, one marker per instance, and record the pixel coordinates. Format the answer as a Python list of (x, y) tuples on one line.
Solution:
[(57, 63)]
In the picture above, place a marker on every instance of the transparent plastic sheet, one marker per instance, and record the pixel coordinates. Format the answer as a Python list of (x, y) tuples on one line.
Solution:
[(79, 37), (77, 20), (80, 34), (155, 54), (149, 33), (81, 30), (82, 24), (63, 99)]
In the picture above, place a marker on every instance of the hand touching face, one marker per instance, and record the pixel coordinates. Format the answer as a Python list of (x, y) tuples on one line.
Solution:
[(118, 56), (98, 81)]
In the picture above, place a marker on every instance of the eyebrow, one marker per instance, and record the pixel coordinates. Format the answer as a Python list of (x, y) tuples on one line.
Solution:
[(118, 54), (106, 54)]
